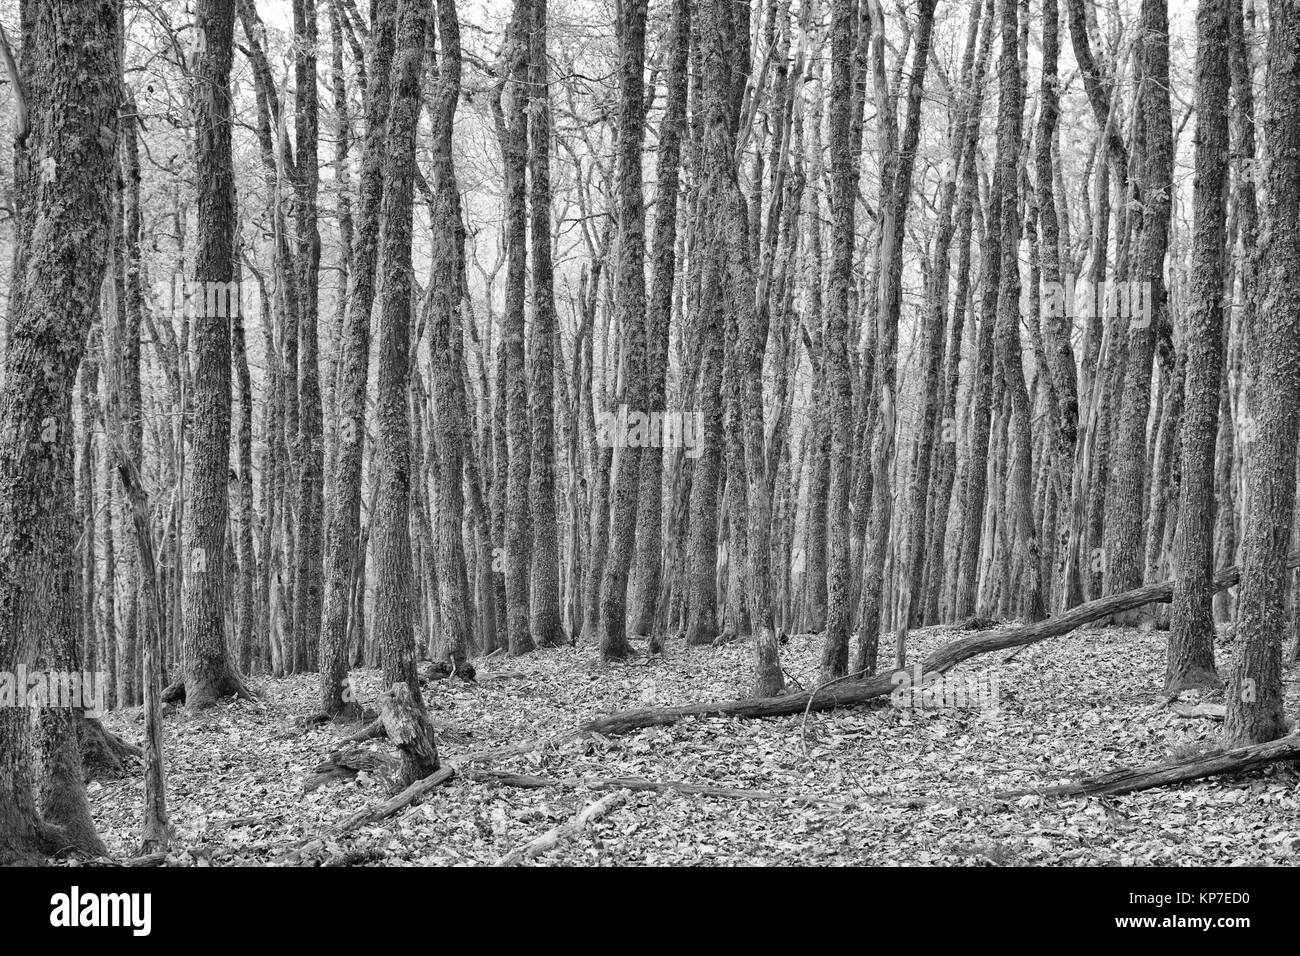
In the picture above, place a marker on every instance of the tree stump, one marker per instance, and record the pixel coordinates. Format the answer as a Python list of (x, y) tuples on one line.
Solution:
[(408, 727)]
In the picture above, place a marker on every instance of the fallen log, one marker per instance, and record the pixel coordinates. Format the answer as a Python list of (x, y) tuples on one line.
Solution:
[(551, 838), (944, 659)]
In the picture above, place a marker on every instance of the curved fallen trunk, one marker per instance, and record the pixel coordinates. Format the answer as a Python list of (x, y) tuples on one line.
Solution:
[(945, 658)]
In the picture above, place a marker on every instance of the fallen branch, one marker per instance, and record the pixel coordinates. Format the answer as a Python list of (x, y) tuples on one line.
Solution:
[(527, 781), (941, 660), (415, 791), (147, 859), (346, 762), (401, 800), (1133, 779), (551, 838)]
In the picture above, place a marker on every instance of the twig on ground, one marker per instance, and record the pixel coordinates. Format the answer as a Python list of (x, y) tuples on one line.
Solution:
[(551, 838)]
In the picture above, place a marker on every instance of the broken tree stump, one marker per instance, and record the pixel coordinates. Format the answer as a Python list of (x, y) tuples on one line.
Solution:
[(407, 725)]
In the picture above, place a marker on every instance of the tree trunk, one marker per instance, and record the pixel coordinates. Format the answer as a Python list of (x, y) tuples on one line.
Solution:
[(394, 603), (837, 401), (73, 90), (514, 146), (445, 350), (547, 626), (343, 528), (659, 310), (1191, 638), (210, 672), (309, 452), (1255, 702), (631, 305), (1147, 308)]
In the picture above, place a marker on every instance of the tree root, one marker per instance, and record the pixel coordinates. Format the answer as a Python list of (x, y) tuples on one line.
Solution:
[(232, 685), (104, 755), (352, 713)]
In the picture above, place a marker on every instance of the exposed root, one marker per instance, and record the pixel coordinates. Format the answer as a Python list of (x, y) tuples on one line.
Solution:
[(105, 755)]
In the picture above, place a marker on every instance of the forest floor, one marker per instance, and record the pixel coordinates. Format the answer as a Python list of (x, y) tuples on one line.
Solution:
[(1068, 707)]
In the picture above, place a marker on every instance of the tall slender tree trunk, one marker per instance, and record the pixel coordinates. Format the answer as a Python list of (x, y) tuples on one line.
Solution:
[(631, 304), (547, 625), (1190, 660), (1019, 437), (659, 310), (897, 189), (518, 528), (1125, 524), (309, 452), (837, 400), (343, 524), (445, 351), (210, 672), (395, 587)]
